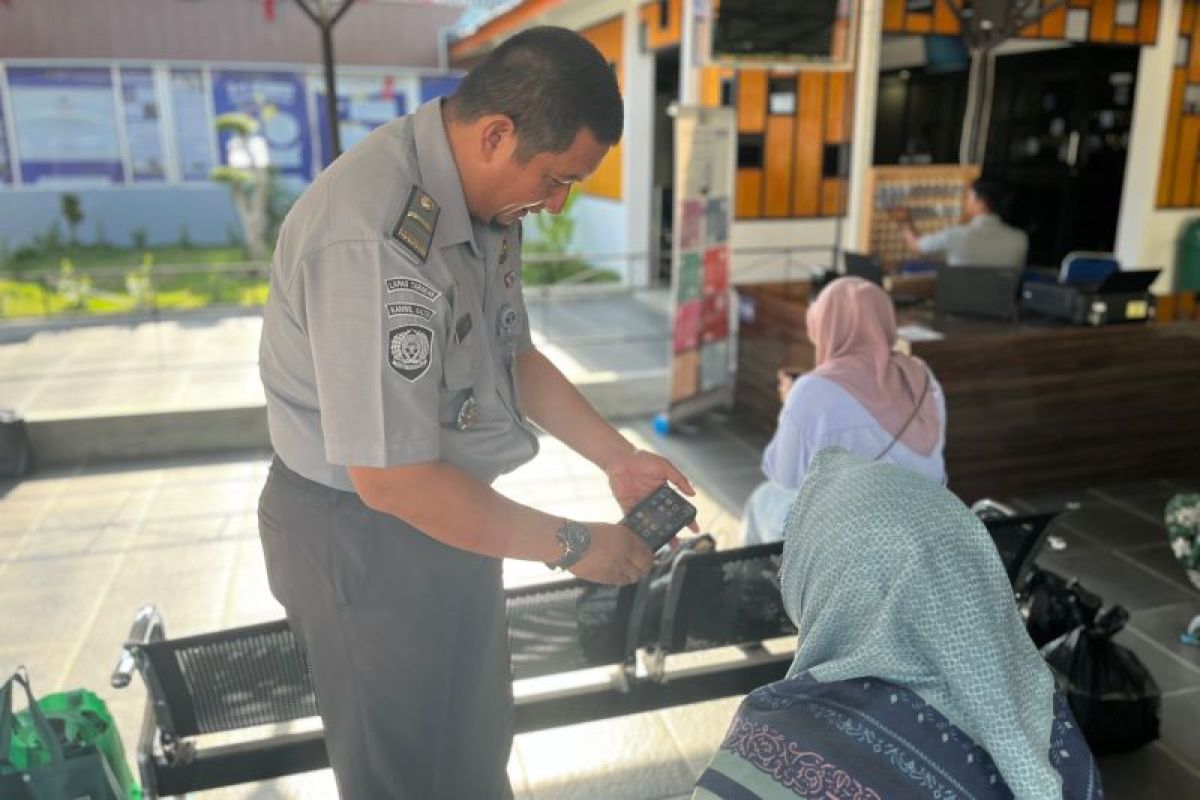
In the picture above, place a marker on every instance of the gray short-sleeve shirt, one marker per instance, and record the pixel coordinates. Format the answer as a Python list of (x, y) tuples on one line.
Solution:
[(394, 321), (984, 241)]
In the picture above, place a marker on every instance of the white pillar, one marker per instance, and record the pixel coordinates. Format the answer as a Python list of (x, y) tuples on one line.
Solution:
[(862, 147), (637, 168), (1146, 235)]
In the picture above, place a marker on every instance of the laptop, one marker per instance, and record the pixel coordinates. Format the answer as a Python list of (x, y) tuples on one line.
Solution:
[(978, 291), (863, 266)]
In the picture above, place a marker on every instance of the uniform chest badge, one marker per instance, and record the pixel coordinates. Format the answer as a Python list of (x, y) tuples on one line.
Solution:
[(414, 230), (410, 350), (510, 278), (468, 412)]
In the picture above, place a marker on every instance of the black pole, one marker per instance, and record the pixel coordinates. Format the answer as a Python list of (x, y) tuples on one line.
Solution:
[(331, 100), (325, 21)]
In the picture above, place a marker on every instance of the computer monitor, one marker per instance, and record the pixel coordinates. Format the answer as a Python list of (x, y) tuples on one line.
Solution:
[(978, 291), (863, 266)]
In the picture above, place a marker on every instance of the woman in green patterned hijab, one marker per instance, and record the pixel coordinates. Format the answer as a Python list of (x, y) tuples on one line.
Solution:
[(914, 676)]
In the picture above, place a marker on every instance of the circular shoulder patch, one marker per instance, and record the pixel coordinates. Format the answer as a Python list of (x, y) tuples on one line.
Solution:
[(410, 349)]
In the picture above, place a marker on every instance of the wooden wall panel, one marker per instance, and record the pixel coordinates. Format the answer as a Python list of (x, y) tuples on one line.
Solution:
[(1103, 19), (1179, 175), (1054, 24), (748, 204), (608, 37), (777, 162), (837, 103), (752, 100), (661, 33), (1185, 163), (1166, 174), (832, 199), (1103, 27), (810, 122)]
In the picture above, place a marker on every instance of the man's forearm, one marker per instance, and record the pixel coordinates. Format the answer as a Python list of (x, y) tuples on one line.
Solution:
[(450, 505), (553, 402)]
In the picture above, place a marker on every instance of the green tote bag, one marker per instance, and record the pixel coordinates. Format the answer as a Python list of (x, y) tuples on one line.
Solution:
[(63, 747)]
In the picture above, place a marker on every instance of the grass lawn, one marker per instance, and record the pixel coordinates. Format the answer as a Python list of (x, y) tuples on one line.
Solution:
[(90, 257)]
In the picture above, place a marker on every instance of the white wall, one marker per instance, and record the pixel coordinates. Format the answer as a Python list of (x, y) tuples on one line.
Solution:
[(1146, 235), (637, 167), (748, 267)]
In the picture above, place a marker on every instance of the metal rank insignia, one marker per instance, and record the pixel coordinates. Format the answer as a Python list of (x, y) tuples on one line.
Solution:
[(504, 249), (414, 230), (468, 411)]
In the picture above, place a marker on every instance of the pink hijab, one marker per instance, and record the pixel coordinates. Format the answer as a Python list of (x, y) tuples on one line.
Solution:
[(853, 327)]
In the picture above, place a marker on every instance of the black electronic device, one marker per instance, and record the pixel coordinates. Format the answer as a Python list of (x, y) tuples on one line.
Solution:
[(659, 516), (863, 266), (1122, 296), (978, 291)]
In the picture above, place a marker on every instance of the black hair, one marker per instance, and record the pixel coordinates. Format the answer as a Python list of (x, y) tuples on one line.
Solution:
[(551, 82), (993, 193)]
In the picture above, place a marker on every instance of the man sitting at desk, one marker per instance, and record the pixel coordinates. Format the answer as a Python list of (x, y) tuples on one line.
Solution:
[(984, 239)]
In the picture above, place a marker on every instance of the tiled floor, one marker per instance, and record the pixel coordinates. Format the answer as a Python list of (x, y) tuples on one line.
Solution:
[(83, 550)]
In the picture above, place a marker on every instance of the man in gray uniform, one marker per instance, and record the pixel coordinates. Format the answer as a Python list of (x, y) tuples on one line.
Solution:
[(401, 381), (983, 241)]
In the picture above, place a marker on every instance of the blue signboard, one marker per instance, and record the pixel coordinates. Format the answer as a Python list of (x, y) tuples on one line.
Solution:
[(363, 105), (5, 159), (140, 107), (66, 125), (277, 101), (438, 86), (193, 128)]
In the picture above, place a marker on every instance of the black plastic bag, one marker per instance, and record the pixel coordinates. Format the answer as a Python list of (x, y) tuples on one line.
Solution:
[(1053, 606), (1113, 696)]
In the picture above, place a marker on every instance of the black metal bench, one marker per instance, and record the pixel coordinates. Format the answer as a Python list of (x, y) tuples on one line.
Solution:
[(628, 638)]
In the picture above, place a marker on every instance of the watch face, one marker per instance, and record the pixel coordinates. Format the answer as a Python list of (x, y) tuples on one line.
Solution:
[(575, 537)]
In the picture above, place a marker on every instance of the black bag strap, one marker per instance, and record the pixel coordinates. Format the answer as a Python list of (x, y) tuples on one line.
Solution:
[(909, 421), (40, 723)]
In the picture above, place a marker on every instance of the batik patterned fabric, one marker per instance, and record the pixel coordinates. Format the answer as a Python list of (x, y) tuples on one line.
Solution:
[(888, 575), (869, 740), (1182, 516)]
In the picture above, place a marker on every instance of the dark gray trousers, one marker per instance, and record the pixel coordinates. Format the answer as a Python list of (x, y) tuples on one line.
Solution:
[(407, 639)]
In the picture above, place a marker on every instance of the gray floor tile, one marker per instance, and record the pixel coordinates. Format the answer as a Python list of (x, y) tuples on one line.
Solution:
[(1161, 561), (1147, 773), (699, 728), (1119, 581), (634, 757), (1163, 626), (1113, 527), (1179, 727), (1171, 673)]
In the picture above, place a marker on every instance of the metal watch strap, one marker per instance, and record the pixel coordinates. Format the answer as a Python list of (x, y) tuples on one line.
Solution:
[(570, 556)]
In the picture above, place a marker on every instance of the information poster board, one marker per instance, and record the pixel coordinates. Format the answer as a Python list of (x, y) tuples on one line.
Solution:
[(277, 101), (193, 127), (66, 125), (6, 170), (364, 103), (705, 140), (143, 129)]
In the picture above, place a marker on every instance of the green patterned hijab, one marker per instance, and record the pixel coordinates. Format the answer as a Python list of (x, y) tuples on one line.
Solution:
[(888, 575)]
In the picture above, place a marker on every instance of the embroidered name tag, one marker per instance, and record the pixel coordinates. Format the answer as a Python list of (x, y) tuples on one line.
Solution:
[(410, 310), (413, 285)]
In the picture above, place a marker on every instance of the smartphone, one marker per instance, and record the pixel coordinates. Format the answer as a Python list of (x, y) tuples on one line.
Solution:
[(659, 516)]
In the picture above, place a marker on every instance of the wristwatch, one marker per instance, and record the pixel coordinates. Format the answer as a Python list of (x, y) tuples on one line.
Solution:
[(575, 540)]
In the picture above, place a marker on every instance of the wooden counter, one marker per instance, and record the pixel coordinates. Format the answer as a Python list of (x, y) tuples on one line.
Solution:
[(1029, 406)]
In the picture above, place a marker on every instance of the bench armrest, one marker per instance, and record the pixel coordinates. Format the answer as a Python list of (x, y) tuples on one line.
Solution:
[(147, 627)]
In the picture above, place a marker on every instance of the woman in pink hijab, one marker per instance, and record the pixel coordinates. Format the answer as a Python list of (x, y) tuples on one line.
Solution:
[(862, 396)]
